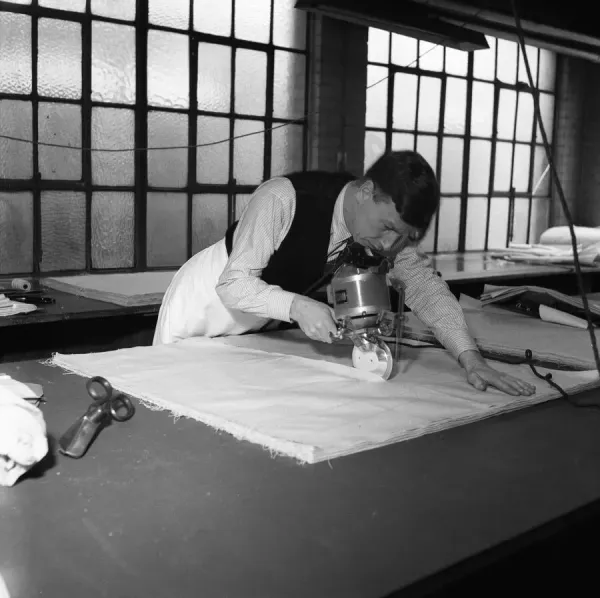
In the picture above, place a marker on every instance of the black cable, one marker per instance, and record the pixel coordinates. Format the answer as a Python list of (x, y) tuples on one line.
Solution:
[(559, 188)]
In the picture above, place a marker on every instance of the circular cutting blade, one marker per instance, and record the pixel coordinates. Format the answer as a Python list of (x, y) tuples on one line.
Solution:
[(374, 357)]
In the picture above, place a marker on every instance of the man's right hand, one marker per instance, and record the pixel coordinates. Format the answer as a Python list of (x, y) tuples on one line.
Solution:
[(316, 319)]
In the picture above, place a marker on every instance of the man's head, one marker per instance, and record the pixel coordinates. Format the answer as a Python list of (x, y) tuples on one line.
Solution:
[(393, 203)]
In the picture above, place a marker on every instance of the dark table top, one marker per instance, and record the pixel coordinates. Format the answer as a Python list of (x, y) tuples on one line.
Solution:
[(173, 508)]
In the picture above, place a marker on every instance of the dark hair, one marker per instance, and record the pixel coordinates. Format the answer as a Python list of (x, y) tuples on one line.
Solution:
[(409, 180)]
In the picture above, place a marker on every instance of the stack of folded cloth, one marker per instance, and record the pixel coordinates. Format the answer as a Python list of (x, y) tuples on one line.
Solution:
[(12, 308)]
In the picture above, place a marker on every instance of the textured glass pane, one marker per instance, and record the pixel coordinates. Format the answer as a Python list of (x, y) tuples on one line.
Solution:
[(540, 163), (429, 104), (547, 76), (61, 124), (427, 147), (507, 61), (476, 219), (457, 62), (212, 161), (250, 82), (121, 9), (209, 220), (403, 141), (59, 59), (452, 159), (484, 65), (404, 50), (248, 157), (253, 20), (113, 63), (431, 56), (456, 106), (449, 216), (506, 113), (168, 69), (169, 13), (520, 220), (503, 166), (525, 117), (16, 232), (522, 162), (482, 109), (63, 230), (377, 89), (167, 168), (532, 55), (112, 229), (241, 202), (286, 155), (378, 45), (166, 229), (211, 17), (374, 147), (74, 5), (405, 101), (214, 77), (498, 223), (16, 157), (289, 25), (547, 113), (15, 53), (289, 85), (540, 214), (479, 166), (112, 128)]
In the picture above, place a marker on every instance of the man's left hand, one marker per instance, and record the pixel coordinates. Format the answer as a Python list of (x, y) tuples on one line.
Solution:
[(481, 375)]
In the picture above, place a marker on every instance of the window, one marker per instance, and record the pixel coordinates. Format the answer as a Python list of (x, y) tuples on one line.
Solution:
[(114, 76), (471, 116)]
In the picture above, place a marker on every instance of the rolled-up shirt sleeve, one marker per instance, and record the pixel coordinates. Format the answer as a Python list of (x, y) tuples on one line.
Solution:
[(429, 297)]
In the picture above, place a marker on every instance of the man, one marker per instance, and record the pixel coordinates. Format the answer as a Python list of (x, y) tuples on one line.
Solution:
[(291, 228)]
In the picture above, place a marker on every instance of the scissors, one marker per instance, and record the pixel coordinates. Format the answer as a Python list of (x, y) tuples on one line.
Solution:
[(107, 406)]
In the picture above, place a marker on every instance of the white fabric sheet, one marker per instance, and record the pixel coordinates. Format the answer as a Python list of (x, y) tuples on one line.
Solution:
[(303, 399)]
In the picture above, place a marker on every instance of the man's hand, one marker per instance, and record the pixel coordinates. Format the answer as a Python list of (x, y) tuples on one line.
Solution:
[(481, 375), (315, 319)]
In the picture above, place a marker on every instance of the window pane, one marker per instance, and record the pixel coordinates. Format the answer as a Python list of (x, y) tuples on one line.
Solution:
[(547, 113), (449, 217), (289, 25), (507, 61), (404, 50), (61, 124), (379, 45), (429, 104), (520, 220), (113, 63), (286, 154), (16, 157), (112, 229), (457, 62), (456, 106), (484, 61), (112, 128), (403, 141), (214, 77), (405, 101), (248, 154), (377, 90), (16, 232), (253, 20), (532, 55), (169, 13), (209, 220), (503, 166), (427, 245), (521, 167), (123, 9), (431, 56), (452, 159), (525, 117), (15, 53), (168, 69), (374, 147), (166, 229), (476, 220), (241, 202), (212, 161), (74, 5), (250, 82), (479, 166), (547, 70), (482, 109), (540, 213), (506, 114), (288, 85), (59, 43), (427, 147), (167, 168), (540, 185), (498, 223), (213, 18), (63, 230)]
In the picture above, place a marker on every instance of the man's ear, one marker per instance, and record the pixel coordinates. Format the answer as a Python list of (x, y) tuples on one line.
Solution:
[(366, 191)]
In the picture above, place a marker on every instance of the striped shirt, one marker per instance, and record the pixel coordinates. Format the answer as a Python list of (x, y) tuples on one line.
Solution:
[(262, 227)]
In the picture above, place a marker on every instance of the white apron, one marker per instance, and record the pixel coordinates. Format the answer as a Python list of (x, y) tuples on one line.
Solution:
[(191, 306)]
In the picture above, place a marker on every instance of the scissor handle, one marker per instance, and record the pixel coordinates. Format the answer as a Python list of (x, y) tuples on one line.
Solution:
[(122, 409), (102, 394)]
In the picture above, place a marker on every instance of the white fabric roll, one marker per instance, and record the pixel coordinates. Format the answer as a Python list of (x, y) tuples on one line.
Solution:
[(559, 235)]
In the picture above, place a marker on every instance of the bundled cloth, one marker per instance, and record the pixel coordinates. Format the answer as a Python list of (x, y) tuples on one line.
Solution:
[(23, 441), (12, 308)]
